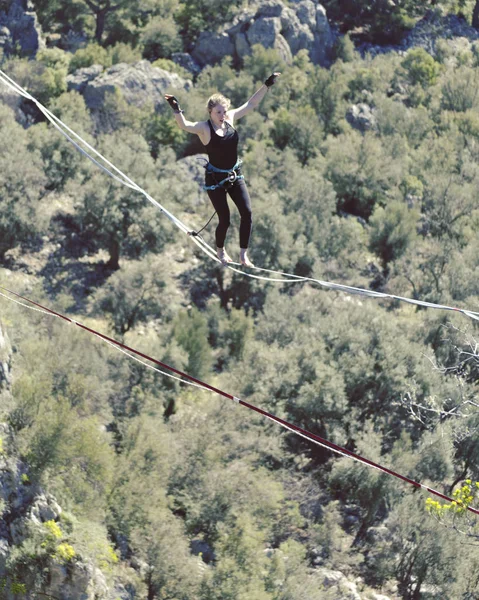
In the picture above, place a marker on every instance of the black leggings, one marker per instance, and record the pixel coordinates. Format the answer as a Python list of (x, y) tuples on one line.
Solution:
[(238, 192)]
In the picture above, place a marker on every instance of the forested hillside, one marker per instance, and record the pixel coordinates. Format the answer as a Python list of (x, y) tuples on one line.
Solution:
[(362, 161)]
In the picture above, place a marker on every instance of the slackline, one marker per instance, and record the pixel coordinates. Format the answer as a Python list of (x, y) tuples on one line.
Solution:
[(274, 276), (190, 380)]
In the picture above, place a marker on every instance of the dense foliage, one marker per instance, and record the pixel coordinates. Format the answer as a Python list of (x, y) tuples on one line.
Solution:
[(167, 488)]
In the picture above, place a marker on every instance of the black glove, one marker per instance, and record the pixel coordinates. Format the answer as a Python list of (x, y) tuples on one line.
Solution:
[(271, 80), (173, 102)]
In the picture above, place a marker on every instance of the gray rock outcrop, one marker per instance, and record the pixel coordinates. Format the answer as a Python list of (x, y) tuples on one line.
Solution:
[(288, 29), (183, 59), (141, 84), (19, 27), (431, 29), (5, 360), (44, 508), (82, 77), (24, 508), (338, 581), (79, 581)]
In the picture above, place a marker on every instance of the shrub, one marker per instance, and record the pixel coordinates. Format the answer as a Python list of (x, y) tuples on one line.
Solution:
[(93, 54), (421, 68), (393, 228), (459, 91), (123, 53), (172, 67), (262, 62)]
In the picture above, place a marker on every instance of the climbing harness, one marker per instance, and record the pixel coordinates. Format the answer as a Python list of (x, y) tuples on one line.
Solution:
[(233, 175), (190, 380)]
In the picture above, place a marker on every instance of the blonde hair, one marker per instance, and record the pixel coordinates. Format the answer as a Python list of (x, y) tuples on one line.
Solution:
[(217, 99)]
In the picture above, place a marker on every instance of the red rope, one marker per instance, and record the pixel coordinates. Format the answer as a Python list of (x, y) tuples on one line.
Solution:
[(303, 432)]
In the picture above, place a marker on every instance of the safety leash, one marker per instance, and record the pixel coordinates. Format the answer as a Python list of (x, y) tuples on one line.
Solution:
[(189, 379)]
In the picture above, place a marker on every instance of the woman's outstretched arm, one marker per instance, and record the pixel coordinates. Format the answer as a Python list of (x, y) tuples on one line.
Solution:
[(253, 102), (189, 126)]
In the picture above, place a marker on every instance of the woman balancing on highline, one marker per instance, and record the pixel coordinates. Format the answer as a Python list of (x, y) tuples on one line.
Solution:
[(223, 172)]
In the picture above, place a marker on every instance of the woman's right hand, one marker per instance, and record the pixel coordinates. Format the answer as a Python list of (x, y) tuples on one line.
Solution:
[(173, 102)]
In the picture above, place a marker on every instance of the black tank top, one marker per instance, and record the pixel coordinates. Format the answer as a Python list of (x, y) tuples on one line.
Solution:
[(223, 150)]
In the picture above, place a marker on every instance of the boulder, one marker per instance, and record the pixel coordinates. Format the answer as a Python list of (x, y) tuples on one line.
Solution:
[(271, 8), (434, 26), (141, 84), (264, 31), (211, 48), (306, 12), (185, 60), (267, 32), (19, 27), (347, 590), (79, 80), (5, 36), (323, 38), (78, 581), (361, 117), (297, 34), (375, 535), (45, 508), (331, 578)]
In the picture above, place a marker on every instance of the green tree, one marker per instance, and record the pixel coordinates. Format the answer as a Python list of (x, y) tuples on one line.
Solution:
[(22, 186), (134, 294), (116, 217), (262, 62), (426, 555), (362, 485), (160, 38), (393, 229), (44, 78), (191, 333), (363, 170), (327, 90), (92, 54), (382, 20), (199, 15), (459, 90), (102, 10), (298, 128)]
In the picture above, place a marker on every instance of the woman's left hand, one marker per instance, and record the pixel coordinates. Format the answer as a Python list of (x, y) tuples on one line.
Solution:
[(272, 79)]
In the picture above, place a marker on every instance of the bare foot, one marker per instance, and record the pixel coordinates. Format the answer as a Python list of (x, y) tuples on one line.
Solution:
[(245, 261), (223, 256)]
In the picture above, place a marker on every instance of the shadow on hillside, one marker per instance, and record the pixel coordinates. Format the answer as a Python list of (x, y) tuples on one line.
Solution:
[(73, 278), (73, 269)]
